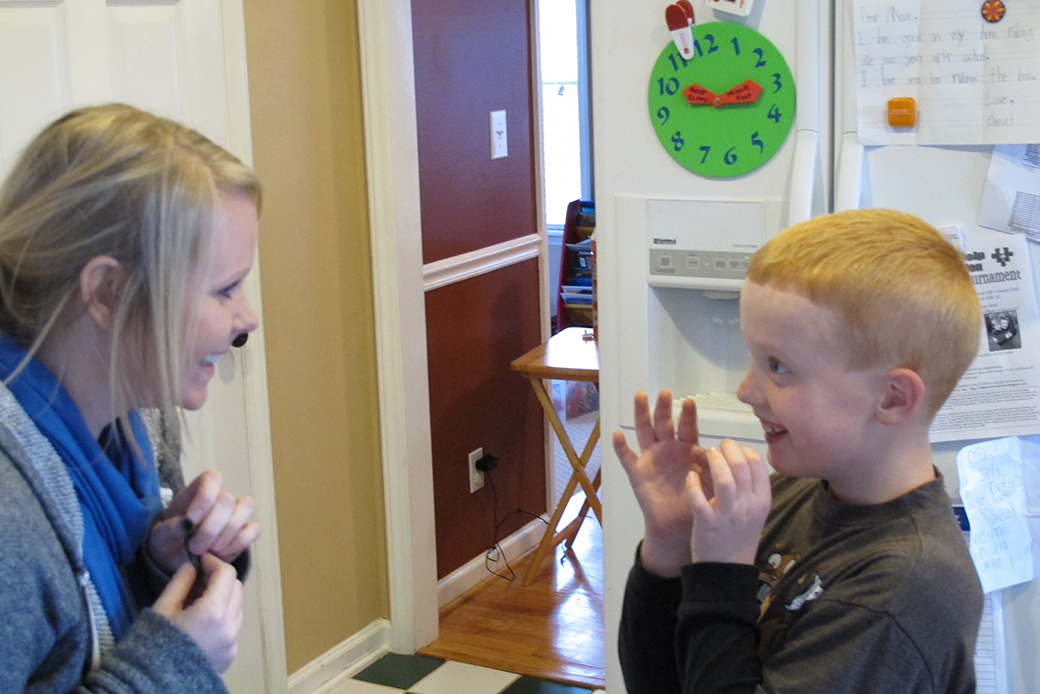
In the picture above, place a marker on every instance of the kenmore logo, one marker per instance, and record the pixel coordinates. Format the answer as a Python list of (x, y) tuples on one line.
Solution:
[(664, 242)]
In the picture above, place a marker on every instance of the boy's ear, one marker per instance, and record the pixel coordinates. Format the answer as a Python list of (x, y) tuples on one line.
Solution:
[(100, 281), (903, 396)]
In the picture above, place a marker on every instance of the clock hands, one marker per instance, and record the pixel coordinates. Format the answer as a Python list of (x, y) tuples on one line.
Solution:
[(746, 92)]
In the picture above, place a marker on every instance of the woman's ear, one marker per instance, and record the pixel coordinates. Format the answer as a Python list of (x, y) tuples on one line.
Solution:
[(902, 398), (100, 282)]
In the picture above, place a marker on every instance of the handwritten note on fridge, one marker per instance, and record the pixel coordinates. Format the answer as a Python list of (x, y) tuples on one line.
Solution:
[(992, 488), (974, 82)]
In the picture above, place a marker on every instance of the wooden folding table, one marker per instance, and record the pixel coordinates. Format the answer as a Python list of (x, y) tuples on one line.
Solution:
[(569, 355)]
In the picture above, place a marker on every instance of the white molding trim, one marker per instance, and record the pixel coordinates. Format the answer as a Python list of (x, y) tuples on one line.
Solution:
[(343, 661), (441, 273), (473, 572), (268, 570), (395, 228)]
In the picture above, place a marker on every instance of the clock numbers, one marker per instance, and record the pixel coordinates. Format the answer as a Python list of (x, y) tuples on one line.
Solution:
[(669, 86), (728, 137), (711, 45)]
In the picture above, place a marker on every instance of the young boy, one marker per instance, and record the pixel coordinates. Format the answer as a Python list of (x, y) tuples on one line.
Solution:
[(845, 571)]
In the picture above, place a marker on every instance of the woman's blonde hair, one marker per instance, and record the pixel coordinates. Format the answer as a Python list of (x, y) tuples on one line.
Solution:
[(901, 291), (114, 181)]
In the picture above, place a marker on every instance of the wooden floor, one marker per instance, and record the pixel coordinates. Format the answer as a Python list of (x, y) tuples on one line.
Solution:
[(551, 629)]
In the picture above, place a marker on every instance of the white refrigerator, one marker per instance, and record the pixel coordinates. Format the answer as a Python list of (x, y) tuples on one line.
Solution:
[(663, 326)]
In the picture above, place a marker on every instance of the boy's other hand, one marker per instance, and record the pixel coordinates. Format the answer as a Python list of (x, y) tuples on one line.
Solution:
[(658, 478), (728, 519)]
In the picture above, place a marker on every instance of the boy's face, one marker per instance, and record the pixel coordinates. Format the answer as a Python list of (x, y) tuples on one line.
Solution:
[(816, 413)]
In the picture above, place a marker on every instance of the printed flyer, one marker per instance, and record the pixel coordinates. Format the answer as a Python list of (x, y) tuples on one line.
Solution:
[(999, 395)]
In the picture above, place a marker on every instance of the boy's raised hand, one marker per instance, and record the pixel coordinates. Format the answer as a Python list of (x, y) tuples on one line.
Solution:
[(658, 478), (728, 520)]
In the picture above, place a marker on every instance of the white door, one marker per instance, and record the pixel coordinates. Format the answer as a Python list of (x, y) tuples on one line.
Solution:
[(184, 59)]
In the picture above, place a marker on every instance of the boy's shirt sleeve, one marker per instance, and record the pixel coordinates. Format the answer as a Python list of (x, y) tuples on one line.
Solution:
[(646, 635), (716, 636), (702, 625)]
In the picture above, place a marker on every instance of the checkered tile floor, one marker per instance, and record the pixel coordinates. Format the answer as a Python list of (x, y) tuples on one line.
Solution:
[(421, 674)]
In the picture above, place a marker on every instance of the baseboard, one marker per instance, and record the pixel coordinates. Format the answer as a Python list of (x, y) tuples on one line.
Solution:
[(342, 662), (473, 572)]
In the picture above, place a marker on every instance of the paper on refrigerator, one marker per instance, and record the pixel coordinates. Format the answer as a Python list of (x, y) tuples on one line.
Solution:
[(999, 395), (974, 82), (992, 487), (1011, 198)]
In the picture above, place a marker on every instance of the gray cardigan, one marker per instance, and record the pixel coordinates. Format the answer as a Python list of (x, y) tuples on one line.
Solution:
[(54, 633)]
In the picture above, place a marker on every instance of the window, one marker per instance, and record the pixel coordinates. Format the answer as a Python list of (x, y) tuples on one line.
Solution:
[(566, 123)]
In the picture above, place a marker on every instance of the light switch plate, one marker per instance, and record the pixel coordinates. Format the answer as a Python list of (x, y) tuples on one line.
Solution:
[(499, 137)]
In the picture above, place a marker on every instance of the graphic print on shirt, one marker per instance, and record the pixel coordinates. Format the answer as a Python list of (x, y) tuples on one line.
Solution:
[(815, 590), (776, 565)]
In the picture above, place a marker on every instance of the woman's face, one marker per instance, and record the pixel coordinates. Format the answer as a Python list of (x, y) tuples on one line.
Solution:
[(220, 307)]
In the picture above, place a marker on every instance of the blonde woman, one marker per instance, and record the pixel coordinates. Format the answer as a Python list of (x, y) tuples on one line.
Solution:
[(124, 240)]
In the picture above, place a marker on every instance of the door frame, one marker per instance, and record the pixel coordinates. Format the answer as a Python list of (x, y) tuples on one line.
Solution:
[(399, 286), (395, 226), (260, 456)]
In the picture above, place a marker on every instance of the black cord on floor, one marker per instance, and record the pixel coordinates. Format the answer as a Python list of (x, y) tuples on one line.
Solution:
[(495, 552)]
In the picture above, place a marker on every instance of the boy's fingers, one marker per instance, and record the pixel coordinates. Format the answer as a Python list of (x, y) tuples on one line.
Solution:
[(700, 507), (625, 454), (644, 429), (173, 597), (687, 432), (738, 466), (663, 427), (722, 479), (759, 472)]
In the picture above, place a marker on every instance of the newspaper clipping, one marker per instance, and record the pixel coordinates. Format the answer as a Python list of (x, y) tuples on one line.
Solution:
[(999, 395)]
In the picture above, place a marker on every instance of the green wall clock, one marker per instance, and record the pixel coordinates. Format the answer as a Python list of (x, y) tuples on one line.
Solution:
[(727, 110)]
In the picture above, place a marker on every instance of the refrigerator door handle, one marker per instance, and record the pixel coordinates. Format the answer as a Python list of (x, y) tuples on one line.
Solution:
[(803, 174), (849, 188), (807, 136)]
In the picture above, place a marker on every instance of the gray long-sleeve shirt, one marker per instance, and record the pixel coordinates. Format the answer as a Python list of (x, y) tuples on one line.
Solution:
[(46, 630)]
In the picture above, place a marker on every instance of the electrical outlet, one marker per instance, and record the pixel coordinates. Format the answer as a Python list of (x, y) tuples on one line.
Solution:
[(476, 477)]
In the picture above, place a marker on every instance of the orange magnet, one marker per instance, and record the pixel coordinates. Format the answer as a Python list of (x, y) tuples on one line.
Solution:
[(902, 112)]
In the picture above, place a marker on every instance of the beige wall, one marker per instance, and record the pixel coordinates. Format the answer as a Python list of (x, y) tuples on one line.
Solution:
[(305, 99)]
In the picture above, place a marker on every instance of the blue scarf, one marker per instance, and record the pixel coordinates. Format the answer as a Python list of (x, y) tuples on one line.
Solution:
[(118, 492)]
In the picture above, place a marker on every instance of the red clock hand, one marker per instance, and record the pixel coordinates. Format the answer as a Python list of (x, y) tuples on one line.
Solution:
[(746, 92), (697, 95)]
